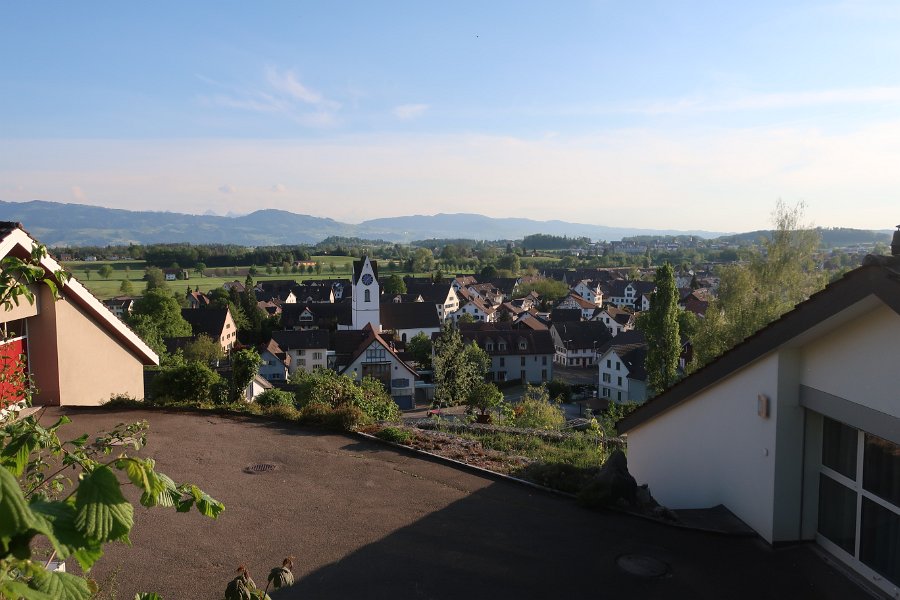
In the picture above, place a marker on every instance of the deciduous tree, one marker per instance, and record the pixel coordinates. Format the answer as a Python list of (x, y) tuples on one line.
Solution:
[(661, 329)]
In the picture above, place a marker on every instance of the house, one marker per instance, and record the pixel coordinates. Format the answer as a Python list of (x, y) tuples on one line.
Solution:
[(275, 362), (565, 315), (622, 376), (630, 294), (366, 353), (796, 430), (322, 315), (442, 295), (616, 319), (574, 301), (577, 342), (478, 310), (173, 274), (278, 291), (257, 386), (76, 350), (307, 349), (408, 319), (516, 354), (235, 285), (121, 306), (217, 323), (307, 294), (589, 290), (487, 293), (196, 299)]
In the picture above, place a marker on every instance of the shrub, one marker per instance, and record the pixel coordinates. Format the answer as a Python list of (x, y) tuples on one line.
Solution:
[(123, 401), (535, 411), (326, 387), (286, 412), (275, 397), (395, 435), (559, 391), (189, 382), (559, 476), (347, 418), (484, 396)]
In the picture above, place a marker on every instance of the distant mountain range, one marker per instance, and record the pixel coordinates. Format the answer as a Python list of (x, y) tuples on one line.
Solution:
[(60, 224)]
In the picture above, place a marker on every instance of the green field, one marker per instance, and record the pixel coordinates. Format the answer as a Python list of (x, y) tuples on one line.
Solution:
[(133, 271)]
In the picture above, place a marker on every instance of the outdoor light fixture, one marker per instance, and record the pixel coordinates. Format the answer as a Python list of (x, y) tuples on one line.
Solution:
[(762, 406)]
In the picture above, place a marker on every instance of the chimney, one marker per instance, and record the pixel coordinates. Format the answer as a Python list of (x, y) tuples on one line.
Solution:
[(895, 244)]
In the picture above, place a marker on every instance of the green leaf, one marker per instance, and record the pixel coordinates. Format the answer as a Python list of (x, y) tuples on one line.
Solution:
[(206, 504), (14, 455), (67, 540), (60, 586), (18, 589), (101, 511), (15, 515), (146, 596)]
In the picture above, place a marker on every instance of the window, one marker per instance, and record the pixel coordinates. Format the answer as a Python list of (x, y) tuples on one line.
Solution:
[(502, 361), (543, 360), (620, 381), (489, 346), (523, 345), (543, 374), (859, 500), (522, 376), (618, 365), (619, 396), (317, 356), (376, 355), (522, 363), (606, 392), (367, 296), (606, 377), (608, 363), (502, 346)]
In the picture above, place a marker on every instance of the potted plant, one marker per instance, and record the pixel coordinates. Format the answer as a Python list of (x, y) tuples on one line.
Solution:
[(483, 397)]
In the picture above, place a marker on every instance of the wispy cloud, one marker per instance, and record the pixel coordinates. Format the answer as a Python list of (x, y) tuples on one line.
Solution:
[(279, 188), (227, 189), (78, 193), (281, 93), (773, 100), (406, 112)]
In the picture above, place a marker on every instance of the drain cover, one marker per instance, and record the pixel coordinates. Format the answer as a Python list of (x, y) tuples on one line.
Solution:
[(642, 565), (259, 468)]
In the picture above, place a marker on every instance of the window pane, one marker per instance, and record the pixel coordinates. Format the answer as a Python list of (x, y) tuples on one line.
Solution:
[(881, 468), (837, 513), (879, 544), (839, 447)]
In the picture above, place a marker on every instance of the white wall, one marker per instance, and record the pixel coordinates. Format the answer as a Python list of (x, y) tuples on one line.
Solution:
[(715, 448), (858, 361)]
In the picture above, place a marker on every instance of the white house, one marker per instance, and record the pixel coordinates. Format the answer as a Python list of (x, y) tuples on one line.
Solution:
[(573, 301), (622, 375), (589, 290), (307, 349), (631, 294), (797, 429), (616, 319), (370, 355), (479, 311)]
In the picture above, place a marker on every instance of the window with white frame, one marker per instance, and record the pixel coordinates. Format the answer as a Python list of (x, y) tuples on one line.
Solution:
[(859, 500)]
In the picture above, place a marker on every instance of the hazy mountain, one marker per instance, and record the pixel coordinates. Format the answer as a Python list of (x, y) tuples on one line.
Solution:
[(59, 224)]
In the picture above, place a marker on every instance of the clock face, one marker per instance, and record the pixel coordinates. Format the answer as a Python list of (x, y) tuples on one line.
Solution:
[(367, 279)]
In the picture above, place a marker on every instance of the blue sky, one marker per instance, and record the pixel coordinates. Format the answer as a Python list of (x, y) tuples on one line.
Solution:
[(652, 114)]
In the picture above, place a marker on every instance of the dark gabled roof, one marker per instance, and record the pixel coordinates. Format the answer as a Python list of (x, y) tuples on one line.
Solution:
[(325, 314), (536, 342), (579, 301), (357, 269), (581, 334), (506, 285), (210, 321), (431, 292), (274, 288), (303, 339), (879, 276), (617, 287), (312, 293), (273, 348), (407, 298), (349, 345), (631, 347), (409, 315), (530, 322), (565, 315)]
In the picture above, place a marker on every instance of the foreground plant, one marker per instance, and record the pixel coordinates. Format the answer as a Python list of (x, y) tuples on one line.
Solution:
[(76, 514), (242, 587)]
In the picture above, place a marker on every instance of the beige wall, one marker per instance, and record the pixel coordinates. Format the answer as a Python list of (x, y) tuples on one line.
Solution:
[(715, 448), (23, 310), (858, 361), (75, 361)]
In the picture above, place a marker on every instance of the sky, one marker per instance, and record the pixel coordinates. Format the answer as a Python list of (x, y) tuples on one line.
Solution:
[(675, 115)]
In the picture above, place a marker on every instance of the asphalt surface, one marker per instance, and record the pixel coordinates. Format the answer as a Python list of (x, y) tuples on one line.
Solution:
[(366, 520)]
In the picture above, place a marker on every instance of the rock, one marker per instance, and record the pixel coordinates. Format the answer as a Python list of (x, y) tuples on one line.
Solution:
[(613, 485)]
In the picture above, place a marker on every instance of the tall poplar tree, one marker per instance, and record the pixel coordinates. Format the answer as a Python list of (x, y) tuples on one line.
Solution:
[(661, 329)]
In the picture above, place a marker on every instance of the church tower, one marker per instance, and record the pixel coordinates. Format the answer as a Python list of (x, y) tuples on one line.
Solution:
[(366, 295)]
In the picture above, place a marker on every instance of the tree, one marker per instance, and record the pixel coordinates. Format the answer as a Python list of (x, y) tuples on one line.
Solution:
[(200, 268), (457, 367), (420, 347), (244, 367), (422, 260), (204, 349), (509, 262), (753, 295), (661, 329), (155, 278), (488, 272), (185, 381), (394, 285), (87, 274), (126, 288), (484, 396), (105, 271), (535, 411), (156, 316), (318, 268)]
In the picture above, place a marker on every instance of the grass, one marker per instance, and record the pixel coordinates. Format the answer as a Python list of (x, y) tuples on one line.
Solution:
[(133, 271), (580, 450)]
